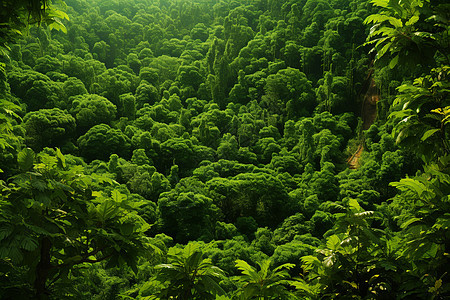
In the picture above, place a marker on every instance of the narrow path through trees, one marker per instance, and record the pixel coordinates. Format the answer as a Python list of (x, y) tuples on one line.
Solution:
[(368, 115)]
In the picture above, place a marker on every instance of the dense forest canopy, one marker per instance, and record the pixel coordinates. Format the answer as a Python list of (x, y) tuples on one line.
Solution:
[(219, 149)]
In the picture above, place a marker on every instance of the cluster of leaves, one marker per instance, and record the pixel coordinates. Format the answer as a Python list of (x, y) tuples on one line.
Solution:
[(407, 254), (52, 219), (226, 126), (16, 16)]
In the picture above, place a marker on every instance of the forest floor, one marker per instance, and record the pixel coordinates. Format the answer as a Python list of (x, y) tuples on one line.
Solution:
[(369, 115)]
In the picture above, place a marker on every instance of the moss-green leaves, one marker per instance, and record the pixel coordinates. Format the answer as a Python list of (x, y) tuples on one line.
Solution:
[(25, 159), (397, 34)]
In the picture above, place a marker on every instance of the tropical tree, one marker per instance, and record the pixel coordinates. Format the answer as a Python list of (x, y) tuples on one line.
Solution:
[(52, 220), (48, 127), (422, 114), (400, 35), (265, 283), (423, 210), (7, 138), (101, 141), (189, 275), (16, 17), (355, 262), (90, 110)]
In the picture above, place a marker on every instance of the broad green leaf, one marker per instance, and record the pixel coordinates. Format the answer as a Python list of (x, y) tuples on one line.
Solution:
[(25, 158), (54, 12), (395, 5), (143, 227), (97, 194), (284, 266), (409, 222), (57, 25), (309, 261), (194, 259), (429, 133), (354, 205), (61, 158), (212, 284), (397, 23), (393, 62), (383, 50), (246, 269), (264, 268), (299, 285), (333, 242), (412, 20), (107, 210), (410, 184), (376, 18), (6, 251), (380, 3), (5, 232), (28, 244), (126, 229), (117, 196)]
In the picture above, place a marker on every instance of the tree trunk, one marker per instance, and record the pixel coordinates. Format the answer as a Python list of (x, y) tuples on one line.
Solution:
[(42, 269)]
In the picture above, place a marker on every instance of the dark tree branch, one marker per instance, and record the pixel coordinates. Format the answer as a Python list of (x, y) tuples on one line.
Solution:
[(86, 259)]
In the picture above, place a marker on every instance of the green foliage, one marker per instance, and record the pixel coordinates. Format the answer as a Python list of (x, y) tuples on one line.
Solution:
[(265, 283), (37, 90), (420, 115), (258, 195), (90, 110), (423, 201), (16, 16), (189, 275), (7, 116), (289, 88), (230, 123), (48, 127), (73, 87), (351, 262), (101, 141), (399, 31), (394, 31), (52, 220), (114, 82), (187, 216), (146, 93), (148, 183)]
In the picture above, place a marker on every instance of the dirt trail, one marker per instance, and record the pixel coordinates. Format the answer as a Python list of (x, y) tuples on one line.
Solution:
[(368, 114), (369, 107), (353, 161)]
